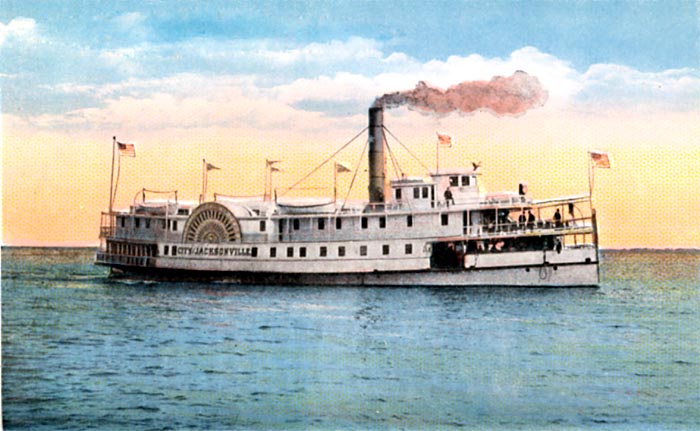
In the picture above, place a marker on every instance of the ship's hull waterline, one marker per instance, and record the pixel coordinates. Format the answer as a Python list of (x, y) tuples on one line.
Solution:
[(568, 275)]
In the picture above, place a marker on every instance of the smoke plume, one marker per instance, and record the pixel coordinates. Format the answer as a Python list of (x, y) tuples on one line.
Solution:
[(511, 95)]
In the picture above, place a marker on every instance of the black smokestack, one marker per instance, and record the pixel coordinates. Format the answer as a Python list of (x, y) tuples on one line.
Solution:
[(376, 155), (511, 95)]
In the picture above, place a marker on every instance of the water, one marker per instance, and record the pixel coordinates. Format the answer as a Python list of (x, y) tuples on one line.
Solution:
[(81, 351)]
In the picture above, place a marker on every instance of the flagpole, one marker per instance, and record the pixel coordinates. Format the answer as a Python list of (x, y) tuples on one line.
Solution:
[(111, 177), (335, 181), (437, 155), (591, 179), (116, 182)]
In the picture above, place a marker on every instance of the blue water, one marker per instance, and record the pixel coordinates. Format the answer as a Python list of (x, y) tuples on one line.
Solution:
[(81, 351)]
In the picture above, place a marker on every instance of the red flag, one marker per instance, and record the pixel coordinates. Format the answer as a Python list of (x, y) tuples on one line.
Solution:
[(444, 140), (127, 150)]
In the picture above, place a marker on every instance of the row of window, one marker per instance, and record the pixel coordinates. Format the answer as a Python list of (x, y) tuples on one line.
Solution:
[(131, 249), (341, 251), (321, 223), (171, 224), (302, 251)]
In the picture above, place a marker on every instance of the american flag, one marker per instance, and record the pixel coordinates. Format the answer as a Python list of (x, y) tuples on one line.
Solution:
[(127, 150), (600, 159), (444, 140)]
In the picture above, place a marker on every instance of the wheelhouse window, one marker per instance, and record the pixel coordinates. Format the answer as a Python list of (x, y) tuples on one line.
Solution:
[(174, 225), (321, 224), (425, 193), (454, 181), (385, 249), (416, 193), (262, 225), (338, 223), (137, 222), (363, 250), (302, 251), (273, 251), (382, 222), (408, 249), (295, 224), (323, 251), (465, 180), (398, 194), (290, 251), (341, 251), (409, 221), (364, 222)]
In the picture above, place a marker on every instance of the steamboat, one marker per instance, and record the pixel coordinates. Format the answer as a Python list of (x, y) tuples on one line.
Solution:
[(441, 230)]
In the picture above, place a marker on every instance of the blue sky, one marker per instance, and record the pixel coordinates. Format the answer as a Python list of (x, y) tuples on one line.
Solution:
[(59, 57)]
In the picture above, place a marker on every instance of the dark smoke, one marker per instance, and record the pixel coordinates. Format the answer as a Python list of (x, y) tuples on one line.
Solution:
[(511, 95)]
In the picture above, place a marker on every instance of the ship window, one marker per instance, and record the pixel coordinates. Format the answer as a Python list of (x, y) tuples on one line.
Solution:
[(174, 251), (465, 180), (122, 221), (363, 250), (174, 225), (137, 222), (321, 224), (409, 221), (273, 251), (364, 222), (454, 181), (166, 249), (262, 226), (341, 251), (425, 193), (385, 249), (148, 223), (409, 249), (445, 219), (323, 251), (290, 251), (295, 223), (339, 223), (254, 252), (398, 194), (302, 251), (416, 193), (162, 223), (382, 222), (182, 211)]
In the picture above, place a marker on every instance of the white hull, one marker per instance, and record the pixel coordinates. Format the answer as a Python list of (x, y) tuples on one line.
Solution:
[(571, 267)]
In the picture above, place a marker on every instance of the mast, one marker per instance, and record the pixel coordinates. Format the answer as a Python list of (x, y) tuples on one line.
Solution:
[(377, 166)]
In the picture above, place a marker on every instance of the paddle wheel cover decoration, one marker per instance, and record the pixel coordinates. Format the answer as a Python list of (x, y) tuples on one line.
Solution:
[(212, 223)]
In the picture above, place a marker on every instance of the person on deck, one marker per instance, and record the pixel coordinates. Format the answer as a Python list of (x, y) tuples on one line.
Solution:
[(557, 219), (448, 197)]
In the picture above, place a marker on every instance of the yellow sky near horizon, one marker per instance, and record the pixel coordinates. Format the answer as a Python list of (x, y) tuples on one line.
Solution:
[(55, 184)]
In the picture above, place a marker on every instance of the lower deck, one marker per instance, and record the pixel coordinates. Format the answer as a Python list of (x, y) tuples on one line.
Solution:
[(430, 264)]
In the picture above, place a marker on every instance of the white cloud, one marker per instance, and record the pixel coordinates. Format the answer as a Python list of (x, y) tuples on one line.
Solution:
[(273, 93), (20, 28), (610, 86)]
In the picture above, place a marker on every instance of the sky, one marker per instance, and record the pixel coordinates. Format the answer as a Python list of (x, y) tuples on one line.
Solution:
[(236, 82)]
